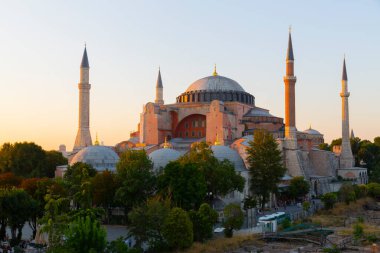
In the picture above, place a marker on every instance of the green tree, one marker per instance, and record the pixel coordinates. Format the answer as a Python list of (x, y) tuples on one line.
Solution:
[(85, 235), (203, 221), (221, 177), (52, 160), (138, 182), (147, 221), (24, 159), (16, 207), (233, 219), (184, 183), (329, 200), (178, 229), (376, 141), (324, 146), (9, 180), (55, 219), (119, 246), (346, 193), (265, 165), (298, 187), (105, 186), (37, 188), (373, 190), (78, 177)]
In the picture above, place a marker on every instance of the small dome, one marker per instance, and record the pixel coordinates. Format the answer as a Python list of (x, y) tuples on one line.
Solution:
[(161, 157), (224, 152), (312, 131), (100, 157), (215, 83)]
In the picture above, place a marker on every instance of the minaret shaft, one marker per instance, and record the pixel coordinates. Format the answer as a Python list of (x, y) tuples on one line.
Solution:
[(290, 96), (83, 138), (346, 157)]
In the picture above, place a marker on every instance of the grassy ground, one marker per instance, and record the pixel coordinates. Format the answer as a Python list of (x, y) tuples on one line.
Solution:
[(224, 244), (338, 216)]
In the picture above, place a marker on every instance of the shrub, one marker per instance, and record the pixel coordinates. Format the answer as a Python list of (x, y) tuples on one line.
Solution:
[(347, 193), (358, 231), (306, 206), (373, 190), (286, 223), (329, 200), (85, 235), (234, 219), (203, 221), (178, 229)]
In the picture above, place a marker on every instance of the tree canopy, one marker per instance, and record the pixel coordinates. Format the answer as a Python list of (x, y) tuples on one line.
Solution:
[(265, 165), (27, 159)]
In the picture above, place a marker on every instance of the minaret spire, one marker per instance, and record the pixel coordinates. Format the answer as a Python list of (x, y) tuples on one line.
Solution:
[(84, 63), (289, 54), (159, 89), (290, 104), (344, 73), (83, 138), (346, 157)]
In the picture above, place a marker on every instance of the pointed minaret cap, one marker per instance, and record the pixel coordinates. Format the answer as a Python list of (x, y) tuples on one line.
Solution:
[(84, 63), (352, 134), (344, 74), (289, 54), (159, 80)]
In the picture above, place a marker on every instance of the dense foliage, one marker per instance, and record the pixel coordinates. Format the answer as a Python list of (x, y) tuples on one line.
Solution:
[(265, 165), (233, 219), (366, 154), (27, 159)]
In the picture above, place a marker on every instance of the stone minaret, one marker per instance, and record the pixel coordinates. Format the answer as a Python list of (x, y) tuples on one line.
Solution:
[(290, 106), (346, 157), (159, 90), (83, 138)]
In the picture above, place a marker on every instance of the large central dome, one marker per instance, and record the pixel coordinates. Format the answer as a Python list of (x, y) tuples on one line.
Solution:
[(215, 87), (215, 83)]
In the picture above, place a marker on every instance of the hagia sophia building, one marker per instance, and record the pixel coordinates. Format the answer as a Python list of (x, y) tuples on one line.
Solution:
[(218, 110)]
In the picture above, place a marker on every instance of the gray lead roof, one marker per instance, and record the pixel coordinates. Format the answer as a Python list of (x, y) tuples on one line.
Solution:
[(84, 63), (344, 75), (159, 80), (289, 55)]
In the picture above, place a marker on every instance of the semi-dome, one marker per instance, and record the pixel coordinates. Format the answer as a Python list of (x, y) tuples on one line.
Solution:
[(99, 157), (161, 157), (223, 152), (215, 83)]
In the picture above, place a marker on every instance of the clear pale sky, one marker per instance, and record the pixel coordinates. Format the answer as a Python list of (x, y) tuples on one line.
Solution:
[(41, 46)]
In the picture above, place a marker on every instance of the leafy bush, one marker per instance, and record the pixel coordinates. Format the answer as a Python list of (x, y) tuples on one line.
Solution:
[(178, 229), (329, 200), (203, 221), (347, 193), (373, 190), (334, 249), (358, 231), (85, 235), (286, 223), (234, 219)]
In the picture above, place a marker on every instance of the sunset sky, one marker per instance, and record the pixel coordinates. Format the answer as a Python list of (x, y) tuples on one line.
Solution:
[(41, 45)]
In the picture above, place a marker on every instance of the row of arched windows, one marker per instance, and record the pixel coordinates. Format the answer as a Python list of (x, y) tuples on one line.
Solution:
[(208, 96)]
